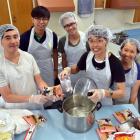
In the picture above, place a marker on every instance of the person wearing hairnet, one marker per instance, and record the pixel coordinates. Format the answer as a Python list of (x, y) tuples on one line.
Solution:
[(19, 73), (129, 50), (73, 44), (101, 66), (41, 42)]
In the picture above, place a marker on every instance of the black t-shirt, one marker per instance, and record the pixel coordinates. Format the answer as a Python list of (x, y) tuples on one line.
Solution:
[(61, 45), (117, 72), (25, 38)]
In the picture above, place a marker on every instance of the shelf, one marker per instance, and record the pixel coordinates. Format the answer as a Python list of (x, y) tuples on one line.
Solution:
[(123, 4), (57, 5)]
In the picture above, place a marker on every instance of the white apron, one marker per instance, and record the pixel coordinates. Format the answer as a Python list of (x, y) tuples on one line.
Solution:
[(73, 56), (102, 77), (23, 83), (43, 55), (130, 80)]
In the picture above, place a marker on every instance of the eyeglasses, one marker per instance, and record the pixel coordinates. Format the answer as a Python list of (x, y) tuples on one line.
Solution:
[(69, 25), (39, 19)]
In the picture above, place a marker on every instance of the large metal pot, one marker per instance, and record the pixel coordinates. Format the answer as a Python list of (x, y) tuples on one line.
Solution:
[(78, 112)]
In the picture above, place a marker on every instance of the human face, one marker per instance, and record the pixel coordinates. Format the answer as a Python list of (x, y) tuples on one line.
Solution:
[(97, 45), (70, 25), (40, 23), (128, 52), (10, 41)]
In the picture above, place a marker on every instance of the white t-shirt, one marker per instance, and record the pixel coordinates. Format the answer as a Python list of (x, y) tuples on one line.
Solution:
[(19, 77)]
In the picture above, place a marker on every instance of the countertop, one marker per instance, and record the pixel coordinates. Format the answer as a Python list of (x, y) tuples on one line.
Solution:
[(54, 128)]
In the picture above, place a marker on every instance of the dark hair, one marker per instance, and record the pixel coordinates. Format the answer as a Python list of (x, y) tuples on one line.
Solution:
[(40, 11)]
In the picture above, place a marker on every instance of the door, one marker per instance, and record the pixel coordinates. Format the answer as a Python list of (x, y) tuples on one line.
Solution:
[(21, 13), (136, 15), (99, 3), (4, 14)]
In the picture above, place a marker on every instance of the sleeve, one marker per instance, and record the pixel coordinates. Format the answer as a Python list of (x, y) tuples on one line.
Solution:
[(35, 66), (3, 81), (55, 40), (24, 41), (61, 44), (138, 66), (117, 71), (82, 62)]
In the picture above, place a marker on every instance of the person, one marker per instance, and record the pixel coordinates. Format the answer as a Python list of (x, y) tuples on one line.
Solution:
[(129, 50), (73, 44), (19, 73), (41, 42), (101, 66)]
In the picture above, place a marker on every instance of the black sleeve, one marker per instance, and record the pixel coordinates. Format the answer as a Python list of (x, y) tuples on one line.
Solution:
[(55, 40), (24, 40), (117, 71), (61, 44), (82, 62)]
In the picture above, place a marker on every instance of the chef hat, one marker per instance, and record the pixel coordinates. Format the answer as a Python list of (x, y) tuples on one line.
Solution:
[(66, 16), (5, 27), (133, 42), (99, 31)]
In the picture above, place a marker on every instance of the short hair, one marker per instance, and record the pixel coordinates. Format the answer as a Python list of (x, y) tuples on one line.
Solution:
[(40, 11), (65, 16), (132, 41), (7, 27), (99, 31)]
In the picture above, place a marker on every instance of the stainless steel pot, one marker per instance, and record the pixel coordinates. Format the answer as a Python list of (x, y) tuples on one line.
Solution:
[(78, 113)]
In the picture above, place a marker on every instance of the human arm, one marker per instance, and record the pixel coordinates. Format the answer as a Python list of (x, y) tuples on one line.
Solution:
[(117, 80), (61, 45), (10, 97), (55, 55), (41, 84), (134, 92), (99, 94)]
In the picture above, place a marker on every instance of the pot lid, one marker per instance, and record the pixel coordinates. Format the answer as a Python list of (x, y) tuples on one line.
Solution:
[(83, 86)]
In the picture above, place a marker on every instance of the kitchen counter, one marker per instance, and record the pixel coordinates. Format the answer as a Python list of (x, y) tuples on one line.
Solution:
[(54, 128)]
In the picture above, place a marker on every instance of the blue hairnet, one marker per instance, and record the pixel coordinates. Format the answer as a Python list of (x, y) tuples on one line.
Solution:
[(99, 31), (65, 16), (133, 42), (5, 27)]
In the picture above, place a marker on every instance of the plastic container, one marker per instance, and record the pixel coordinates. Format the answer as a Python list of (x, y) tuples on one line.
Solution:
[(66, 86)]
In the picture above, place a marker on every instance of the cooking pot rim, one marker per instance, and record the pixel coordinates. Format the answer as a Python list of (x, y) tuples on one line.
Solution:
[(88, 112)]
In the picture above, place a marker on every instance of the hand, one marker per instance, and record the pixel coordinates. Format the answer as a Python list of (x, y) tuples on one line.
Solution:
[(38, 99), (42, 87), (98, 95), (66, 72), (57, 91), (54, 93)]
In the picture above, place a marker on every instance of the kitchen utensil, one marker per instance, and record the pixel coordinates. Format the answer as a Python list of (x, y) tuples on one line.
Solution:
[(83, 86), (66, 85), (78, 113)]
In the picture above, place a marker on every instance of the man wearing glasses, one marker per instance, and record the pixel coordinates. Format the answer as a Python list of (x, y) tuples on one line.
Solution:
[(73, 45), (41, 42)]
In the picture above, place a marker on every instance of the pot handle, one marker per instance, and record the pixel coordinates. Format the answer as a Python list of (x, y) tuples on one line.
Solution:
[(60, 109), (98, 106)]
